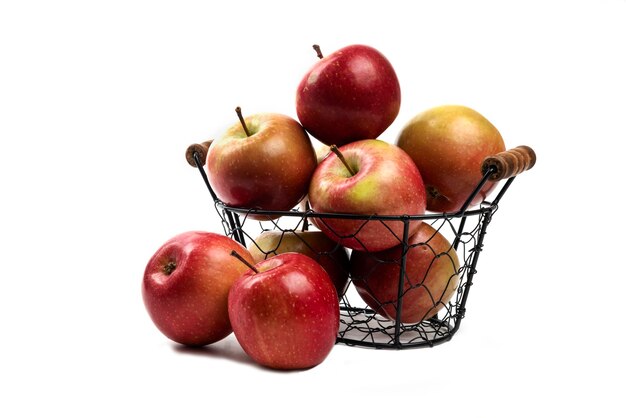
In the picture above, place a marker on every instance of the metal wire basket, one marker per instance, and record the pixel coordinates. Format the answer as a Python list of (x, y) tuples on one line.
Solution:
[(380, 323)]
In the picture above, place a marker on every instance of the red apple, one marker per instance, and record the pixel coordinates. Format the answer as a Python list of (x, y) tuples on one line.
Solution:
[(315, 244), (448, 144), (186, 283), (385, 182), (268, 169), (285, 314), (349, 95), (430, 280)]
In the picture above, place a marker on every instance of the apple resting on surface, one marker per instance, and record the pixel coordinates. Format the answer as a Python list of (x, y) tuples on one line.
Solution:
[(268, 169), (448, 144), (349, 95), (431, 276), (375, 178), (285, 312), (186, 283), (315, 244)]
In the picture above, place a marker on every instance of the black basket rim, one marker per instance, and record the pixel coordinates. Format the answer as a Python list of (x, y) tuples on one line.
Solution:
[(484, 208)]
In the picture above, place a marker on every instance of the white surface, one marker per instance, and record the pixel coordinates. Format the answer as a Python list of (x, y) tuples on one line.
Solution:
[(98, 101)]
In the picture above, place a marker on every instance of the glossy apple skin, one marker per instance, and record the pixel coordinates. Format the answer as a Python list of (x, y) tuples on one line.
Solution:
[(431, 276), (287, 315), (189, 304), (269, 170), (386, 182), (349, 95), (315, 244), (448, 144)]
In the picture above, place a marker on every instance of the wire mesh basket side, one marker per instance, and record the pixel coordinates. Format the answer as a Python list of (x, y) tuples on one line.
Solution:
[(362, 324)]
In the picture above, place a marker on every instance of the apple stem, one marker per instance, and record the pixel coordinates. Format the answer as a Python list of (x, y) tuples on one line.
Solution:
[(334, 149), (243, 122), (319, 51), (243, 260)]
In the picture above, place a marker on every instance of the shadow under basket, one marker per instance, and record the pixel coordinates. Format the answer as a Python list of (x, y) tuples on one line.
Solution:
[(371, 326)]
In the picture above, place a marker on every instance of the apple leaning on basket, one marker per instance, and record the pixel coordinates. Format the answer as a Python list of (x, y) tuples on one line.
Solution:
[(357, 216)]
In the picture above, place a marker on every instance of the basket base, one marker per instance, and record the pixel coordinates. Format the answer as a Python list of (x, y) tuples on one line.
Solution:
[(364, 328)]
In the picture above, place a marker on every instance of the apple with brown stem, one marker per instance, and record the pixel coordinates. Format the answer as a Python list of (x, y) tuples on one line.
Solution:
[(285, 312), (367, 177), (263, 162), (349, 95)]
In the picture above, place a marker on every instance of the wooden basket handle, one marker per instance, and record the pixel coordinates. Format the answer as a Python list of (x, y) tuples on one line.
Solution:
[(202, 150), (510, 163)]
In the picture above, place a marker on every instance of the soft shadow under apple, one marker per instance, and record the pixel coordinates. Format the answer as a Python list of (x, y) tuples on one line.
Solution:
[(226, 349)]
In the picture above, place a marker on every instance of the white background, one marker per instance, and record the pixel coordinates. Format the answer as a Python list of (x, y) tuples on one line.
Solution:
[(99, 100)]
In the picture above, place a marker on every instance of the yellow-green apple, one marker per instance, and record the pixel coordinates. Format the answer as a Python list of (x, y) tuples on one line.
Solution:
[(374, 178), (285, 312), (315, 244), (265, 162), (448, 144), (186, 283), (430, 279), (349, 95)]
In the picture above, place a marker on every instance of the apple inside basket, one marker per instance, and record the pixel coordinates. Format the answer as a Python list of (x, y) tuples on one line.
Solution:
[(402, 280)]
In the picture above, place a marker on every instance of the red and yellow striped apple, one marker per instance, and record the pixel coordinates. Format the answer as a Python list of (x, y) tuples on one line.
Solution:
[(430, 279), (375, 178), (265, 163), (285, 312)]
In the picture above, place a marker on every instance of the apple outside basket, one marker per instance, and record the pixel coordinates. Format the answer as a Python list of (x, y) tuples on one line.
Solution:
[(360, 325)]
